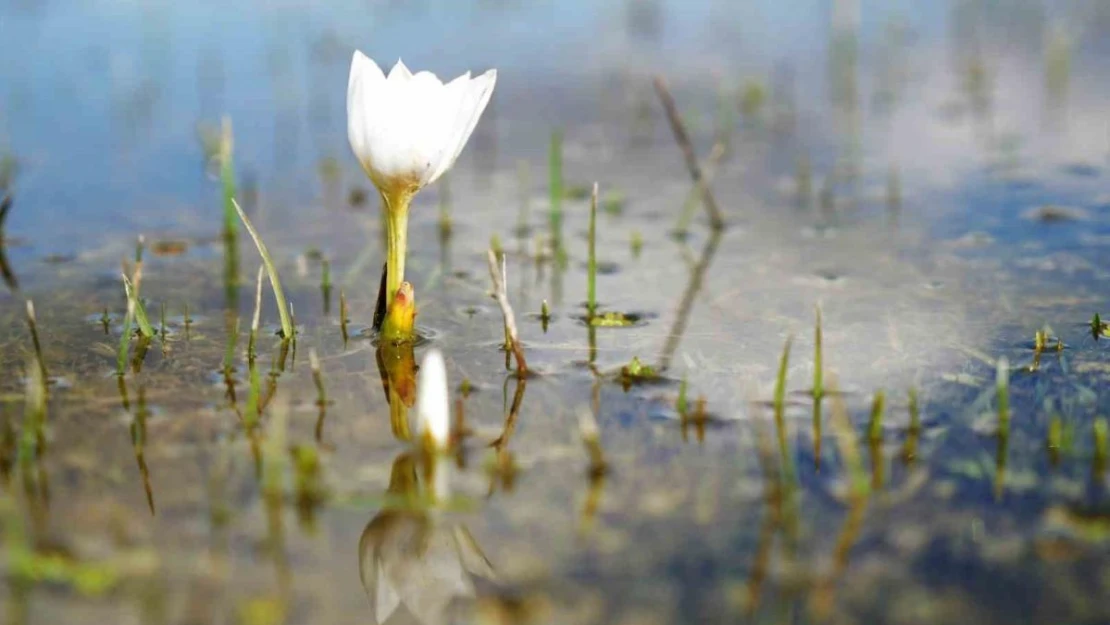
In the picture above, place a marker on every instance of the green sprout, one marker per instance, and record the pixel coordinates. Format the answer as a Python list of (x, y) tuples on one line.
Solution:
[(287, 330), (591, 281), (875, 425)]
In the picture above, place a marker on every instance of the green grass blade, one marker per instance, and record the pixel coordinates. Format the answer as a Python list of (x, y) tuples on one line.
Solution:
[(271, 269)]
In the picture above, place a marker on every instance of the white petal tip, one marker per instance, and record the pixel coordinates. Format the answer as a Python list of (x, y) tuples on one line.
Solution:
[(433, 403)]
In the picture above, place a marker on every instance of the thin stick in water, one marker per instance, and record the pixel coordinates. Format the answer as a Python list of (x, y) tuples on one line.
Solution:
[(498, 274), (683, 141), (699, 190)]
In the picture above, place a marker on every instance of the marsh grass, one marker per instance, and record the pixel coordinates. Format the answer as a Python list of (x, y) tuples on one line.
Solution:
[(1002, 394), (138, 432), (909, 446), (229, 348), (786, 457), (545, 315), (524, 185), (848, 445), (694, 197), (125, 339), (287, 330), (818, 361), (274, 454), (252, 350), (252, 414), (230, 225), (716, 221), (875, 424), (498, 274), (325, 284), (36, 343), (591, 279), (555, 190), (145, 329), (343, 315)]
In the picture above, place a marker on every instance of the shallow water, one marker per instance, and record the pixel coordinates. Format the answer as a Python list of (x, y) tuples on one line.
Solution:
[(954, 205)]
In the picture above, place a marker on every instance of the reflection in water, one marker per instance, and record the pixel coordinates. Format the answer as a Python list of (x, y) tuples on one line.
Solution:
[(397, 367), (415, 565)]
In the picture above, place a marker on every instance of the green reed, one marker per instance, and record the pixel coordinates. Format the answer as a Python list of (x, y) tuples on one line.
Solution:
[(287, 330)]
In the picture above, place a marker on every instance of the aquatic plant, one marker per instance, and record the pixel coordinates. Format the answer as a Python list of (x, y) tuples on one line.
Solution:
[(287, 331), (343, 315), (252, 338), (33, 327), (716, 221), (433, 409), (591, 263), (125, 339), (694, 198), (818, 363), (407, 130), (780, 411), (635, 372), (132, 288), (225, 152), (1002, 393), (555, 190), (545, 314), (498, 275), (325, 283), (875, 424), (909, 446)]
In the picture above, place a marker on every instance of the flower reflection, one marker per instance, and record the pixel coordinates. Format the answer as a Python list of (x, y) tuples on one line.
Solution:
[(415, 565)]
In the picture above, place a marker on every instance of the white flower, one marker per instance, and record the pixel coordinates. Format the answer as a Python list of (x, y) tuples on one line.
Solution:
[(408, 129), (433, 411)]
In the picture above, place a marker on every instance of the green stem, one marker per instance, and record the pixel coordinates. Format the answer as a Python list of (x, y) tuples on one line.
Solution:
[(396, 223), (275, 281), (591, 292)]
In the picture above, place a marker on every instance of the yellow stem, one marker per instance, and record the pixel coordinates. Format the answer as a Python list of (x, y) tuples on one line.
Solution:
[(396, 207), (398, 323)]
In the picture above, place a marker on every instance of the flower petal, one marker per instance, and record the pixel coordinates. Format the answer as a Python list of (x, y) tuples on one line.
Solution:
[(399, 71), (476, 97), (365, 77)]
